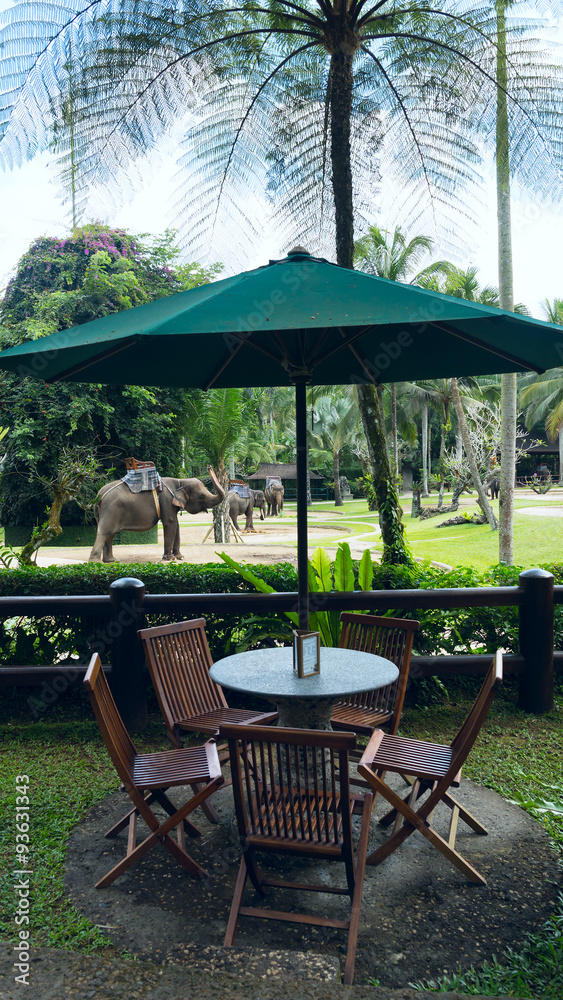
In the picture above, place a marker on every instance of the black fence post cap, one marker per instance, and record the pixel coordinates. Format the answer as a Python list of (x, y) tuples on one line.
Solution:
[(126, 582), (537, 574)]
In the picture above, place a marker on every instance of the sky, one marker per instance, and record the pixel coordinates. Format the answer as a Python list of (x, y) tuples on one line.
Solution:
[(30, 207)]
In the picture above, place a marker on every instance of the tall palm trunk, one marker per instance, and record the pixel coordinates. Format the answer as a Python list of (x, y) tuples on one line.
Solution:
[(340, 97), (394, 428), (390, 512), (442, 458), (462, 424), (506, 297), (424, 443), (338, 501), (560, 477), (341, 84), (221, 513)]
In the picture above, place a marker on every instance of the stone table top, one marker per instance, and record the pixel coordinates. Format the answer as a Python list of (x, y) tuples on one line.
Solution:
[(269, 674)]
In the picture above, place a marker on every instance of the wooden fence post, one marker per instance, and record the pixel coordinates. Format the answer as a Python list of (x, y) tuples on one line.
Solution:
[(536, 641), (128, 681)]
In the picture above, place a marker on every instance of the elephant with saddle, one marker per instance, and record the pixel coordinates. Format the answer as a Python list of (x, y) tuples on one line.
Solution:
[(118, 509), (274, 498), (245, 505)]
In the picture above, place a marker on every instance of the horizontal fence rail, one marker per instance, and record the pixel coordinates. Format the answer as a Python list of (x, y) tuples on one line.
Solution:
[(127, 608)]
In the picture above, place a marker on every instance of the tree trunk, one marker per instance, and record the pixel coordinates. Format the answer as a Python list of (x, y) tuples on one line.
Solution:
[(560, 483), (458, 445), (340, 96), (42, 536), (424, 444), (506, 297), (221, 513), (442, 458), (341, 84), (462, 424), (395, 550), (394, 429), (338, 501)]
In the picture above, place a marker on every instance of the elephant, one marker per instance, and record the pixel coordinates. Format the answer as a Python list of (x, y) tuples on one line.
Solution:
[(274, 498), (119, 509), (495, 488), (245, 505)]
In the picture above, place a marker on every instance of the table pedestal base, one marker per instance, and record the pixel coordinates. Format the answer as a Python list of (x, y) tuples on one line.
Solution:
[(310, 714)]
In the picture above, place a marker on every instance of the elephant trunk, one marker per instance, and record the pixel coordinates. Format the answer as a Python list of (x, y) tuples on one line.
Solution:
[(215, 499)]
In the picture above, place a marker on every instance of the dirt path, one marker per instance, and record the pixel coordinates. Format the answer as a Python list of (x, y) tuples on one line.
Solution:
[(275, 540)]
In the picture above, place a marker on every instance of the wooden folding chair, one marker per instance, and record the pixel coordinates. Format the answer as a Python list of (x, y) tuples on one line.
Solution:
[(179, 661), (388, 637), (292, 795), (434, 768), (146, 777)]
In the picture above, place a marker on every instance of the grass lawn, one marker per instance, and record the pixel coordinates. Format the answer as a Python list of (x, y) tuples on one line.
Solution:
[(537, 539)]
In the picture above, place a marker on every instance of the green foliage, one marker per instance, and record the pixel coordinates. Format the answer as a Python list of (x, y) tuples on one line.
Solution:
[(94, 272), (324, 577)]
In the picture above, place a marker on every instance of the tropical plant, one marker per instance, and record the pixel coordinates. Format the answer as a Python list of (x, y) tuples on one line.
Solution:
[(388, 255), (324, 577)]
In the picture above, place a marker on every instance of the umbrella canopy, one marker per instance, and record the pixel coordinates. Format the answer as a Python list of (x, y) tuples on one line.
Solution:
[(299, 320), (297, 316)]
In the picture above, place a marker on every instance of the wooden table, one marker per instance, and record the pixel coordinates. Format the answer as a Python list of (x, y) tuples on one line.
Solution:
[(308, 702)]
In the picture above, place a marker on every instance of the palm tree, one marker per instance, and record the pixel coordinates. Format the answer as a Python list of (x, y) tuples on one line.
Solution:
[(335, 424), (289, 99), (541, 396), (217, 418), (388, 255), (554, 311)]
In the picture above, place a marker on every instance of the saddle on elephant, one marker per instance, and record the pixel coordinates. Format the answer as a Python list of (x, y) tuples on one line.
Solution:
[(239, 487), (141, 476)]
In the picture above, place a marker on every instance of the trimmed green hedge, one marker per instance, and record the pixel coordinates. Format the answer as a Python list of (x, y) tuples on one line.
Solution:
[(443, 631)]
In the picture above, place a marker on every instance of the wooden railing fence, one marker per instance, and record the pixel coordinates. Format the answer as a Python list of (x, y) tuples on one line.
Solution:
[(127, 608)]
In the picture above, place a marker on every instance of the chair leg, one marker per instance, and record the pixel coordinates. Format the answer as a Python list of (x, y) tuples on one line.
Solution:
[(161, 832), (235, 905), (464, 814), (171, 809), (358, 888)]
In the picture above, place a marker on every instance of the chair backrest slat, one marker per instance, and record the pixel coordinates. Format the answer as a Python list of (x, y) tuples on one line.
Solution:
[(291, 784), (116, 738), (467, 734), (391, 638), (179, 661)]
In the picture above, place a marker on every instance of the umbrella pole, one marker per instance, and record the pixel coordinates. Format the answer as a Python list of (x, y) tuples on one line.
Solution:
[(302, 556)]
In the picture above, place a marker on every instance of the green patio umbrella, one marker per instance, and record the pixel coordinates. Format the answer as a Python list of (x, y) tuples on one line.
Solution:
[(300, 320)]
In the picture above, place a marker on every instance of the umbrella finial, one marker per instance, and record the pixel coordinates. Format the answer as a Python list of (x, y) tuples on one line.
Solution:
[(298, 250)]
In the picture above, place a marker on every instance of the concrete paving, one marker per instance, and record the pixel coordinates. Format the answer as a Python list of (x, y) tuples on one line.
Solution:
[(420, 918)]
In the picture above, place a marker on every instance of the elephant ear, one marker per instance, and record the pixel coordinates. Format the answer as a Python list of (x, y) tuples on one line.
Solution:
[(177, 500)]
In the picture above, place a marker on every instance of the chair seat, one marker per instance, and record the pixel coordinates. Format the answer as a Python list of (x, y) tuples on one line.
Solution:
[(357, 719), (208, 723), (399, 753), (169, 768)]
